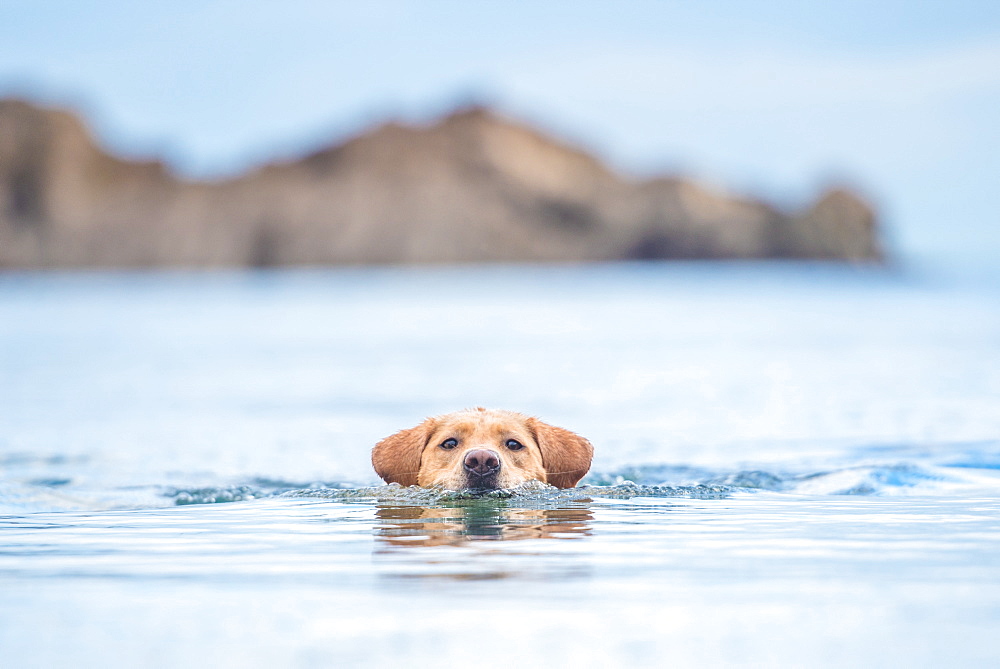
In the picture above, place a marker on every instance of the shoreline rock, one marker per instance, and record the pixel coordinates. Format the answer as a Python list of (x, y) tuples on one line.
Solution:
[(471, 187)]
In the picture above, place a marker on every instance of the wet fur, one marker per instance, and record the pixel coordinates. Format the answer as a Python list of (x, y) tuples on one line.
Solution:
[(550, 454)]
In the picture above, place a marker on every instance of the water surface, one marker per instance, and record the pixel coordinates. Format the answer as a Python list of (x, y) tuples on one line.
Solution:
[(796, 465)]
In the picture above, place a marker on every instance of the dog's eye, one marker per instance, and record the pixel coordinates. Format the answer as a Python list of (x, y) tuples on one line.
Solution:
[(514, 445), (449, 444)]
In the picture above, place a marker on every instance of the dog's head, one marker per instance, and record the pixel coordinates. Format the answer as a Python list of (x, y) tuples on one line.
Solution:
[(485, 449)]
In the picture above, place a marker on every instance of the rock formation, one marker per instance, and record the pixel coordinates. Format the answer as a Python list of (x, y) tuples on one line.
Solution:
[(472, 187)]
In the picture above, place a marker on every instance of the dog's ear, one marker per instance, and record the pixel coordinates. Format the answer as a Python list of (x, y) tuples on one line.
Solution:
[(397, 458), (566, 456)]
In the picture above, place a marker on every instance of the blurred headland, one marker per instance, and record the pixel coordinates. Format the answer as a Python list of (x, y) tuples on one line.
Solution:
[(470, 187)]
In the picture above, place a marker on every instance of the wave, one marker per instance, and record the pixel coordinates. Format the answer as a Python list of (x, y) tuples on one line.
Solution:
[(656, 481), (872, 479)]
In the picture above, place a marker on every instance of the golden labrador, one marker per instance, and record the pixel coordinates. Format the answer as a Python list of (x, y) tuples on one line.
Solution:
[(482, 449)]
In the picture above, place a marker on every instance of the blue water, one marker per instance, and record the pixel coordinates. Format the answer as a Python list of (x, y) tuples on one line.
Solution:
[(796, 465)]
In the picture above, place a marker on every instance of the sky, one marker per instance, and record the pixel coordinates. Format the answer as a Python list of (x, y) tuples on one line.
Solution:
[(899, 99)]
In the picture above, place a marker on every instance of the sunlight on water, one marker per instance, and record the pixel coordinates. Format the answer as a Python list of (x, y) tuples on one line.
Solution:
[(795, 466)]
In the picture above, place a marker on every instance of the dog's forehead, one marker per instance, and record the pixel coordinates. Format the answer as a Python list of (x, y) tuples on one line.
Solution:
[(484, 423)]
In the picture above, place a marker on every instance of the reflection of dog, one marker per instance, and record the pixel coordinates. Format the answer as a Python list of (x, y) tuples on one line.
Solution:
[(480, 448), (438, 526)]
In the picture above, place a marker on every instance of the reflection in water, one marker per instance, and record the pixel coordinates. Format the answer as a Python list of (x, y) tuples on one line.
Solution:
[(486, 530), (477, 520)]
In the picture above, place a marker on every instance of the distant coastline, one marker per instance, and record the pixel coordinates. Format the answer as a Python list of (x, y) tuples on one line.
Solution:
[(471, 187)]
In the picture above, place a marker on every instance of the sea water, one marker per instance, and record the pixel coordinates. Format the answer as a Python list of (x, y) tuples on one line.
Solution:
[(796, 465)]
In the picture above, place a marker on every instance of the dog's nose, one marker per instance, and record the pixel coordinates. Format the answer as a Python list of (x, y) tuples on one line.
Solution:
[(482, 462)]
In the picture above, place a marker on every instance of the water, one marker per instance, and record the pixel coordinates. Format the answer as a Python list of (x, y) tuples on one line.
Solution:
[(796, 465)]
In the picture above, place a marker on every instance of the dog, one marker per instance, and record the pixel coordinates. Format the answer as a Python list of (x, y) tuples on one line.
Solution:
[(482, 449)]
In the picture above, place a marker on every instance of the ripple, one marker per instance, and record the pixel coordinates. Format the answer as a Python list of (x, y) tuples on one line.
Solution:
[(532, 491), (634, 481), (867, 480)]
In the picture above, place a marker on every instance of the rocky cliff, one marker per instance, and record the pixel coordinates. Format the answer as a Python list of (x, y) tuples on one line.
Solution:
[(472, 187)]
